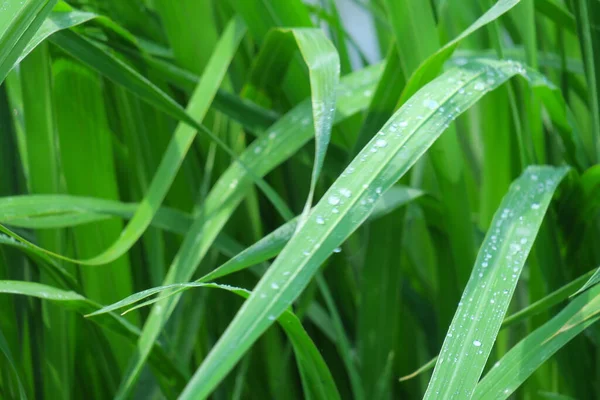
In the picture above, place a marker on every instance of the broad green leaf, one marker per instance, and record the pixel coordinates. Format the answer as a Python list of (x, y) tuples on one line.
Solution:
[(527, 355), (404, 138), (282, 140), (19, 21), (488, 293)]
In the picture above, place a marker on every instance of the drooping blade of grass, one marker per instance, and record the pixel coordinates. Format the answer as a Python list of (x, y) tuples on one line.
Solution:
[(268, 247), (486, 298), (404, 138), (282, 140), (63, 211), (526, 356), (18, 23), (73, 301), (184, 135), (323, 64), (318, 374)]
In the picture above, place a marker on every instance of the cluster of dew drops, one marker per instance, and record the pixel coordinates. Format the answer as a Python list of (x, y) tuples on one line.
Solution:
[(514, 257)]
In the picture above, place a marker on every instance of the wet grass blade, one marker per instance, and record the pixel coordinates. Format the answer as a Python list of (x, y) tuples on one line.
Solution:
[(486, 298), (282, 140), (404, 138), (530, 353), (323, 64)]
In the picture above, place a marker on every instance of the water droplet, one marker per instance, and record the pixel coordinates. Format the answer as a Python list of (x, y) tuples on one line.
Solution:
[(535, 206), (479, 86), (272, 135), (476, 343), (286, 273), (368, 93), (403, 124), (335, 210), (381, 143), (431, 104), (378, 190), (274, 286), (345, 192), (320, 220), (337, 250), (257, 149), (263, 296), (333, 200), (271, 318)]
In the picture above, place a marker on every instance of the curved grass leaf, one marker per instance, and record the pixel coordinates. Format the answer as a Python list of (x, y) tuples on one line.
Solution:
[(400, 143), (282, 140), (315, 371), (184, 135), (536, 308), (64, 18), (323, 64), (19, 21), (527, 355), (81, 305), (593, 281), (62, 211), (488, 293)]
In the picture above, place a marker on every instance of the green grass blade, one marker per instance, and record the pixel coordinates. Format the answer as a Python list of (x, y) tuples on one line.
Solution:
[(405, 137), (5, 349), (493, 280), (593, 281), (323, 64), (317, 373), (282, 140), (18, 23), (183, 137), (73, 301), (56, 21), (527, 355)]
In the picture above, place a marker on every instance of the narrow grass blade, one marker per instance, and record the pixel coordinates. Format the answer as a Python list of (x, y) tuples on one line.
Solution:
[(71, 300), (323, 64), (593, 281), (18, 23), (183, 137), (486, 298), (11, 362), (282, 140), (317, 373), (404, 138), (526, 356), (539, 306)]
